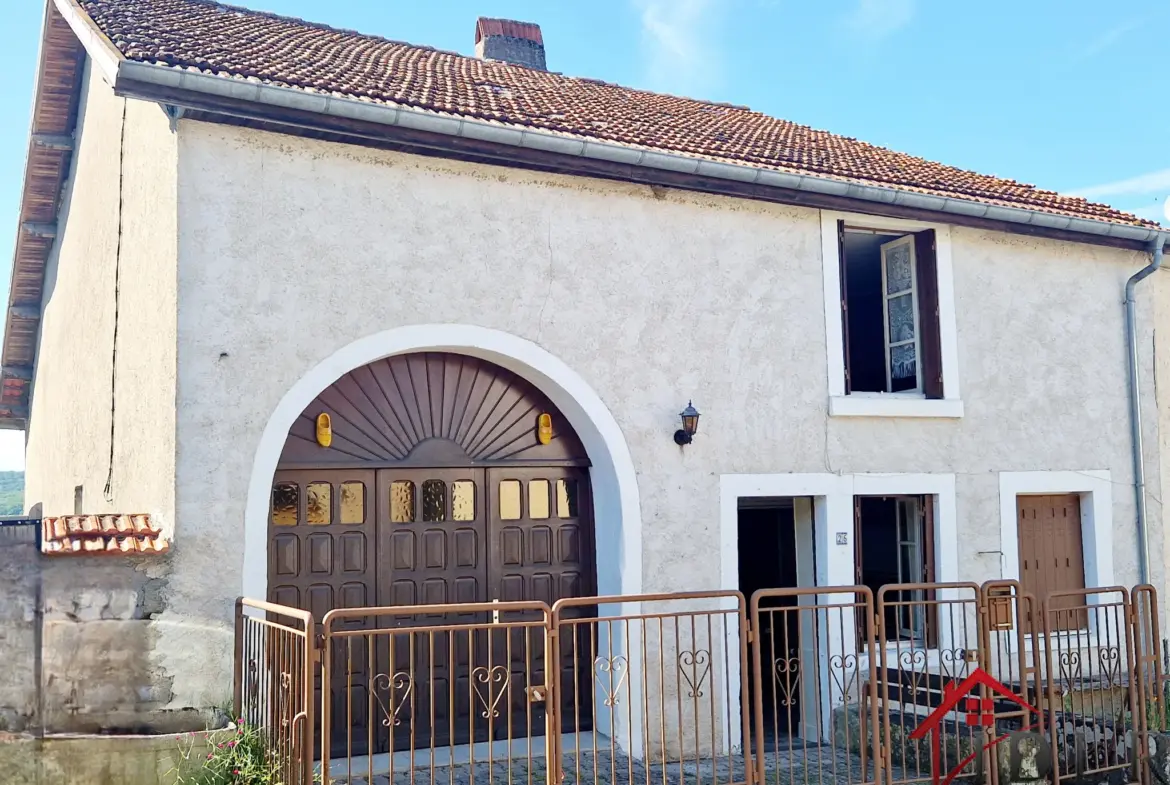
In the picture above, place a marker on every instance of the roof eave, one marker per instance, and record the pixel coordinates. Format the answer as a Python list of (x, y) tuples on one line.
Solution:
[(269, 102), (49, 149), (397, 116)]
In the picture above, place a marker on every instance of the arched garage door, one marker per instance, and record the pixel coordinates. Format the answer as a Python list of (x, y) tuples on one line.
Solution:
[(438, 485)]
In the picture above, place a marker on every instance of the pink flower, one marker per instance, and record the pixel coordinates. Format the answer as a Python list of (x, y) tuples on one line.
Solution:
[(231, 744), (210, 756), (236, 772)]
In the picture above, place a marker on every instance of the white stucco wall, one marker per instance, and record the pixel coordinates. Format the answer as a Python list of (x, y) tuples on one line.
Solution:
[(291, 249), (68, 442), (101, 668)]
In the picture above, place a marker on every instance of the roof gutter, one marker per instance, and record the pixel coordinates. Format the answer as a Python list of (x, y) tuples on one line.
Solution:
[(1135, 407), (120, 72), (129, 71)]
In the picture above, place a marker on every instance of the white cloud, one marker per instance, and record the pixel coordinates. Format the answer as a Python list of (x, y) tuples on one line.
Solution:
[(1150, 213), (680, 56), (879, 18), (1107, 39), (1142, 195), (1149, 183)]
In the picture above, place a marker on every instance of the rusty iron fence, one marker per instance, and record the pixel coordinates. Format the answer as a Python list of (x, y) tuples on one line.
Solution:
[(647, 688), (274, 682), (827, 685)]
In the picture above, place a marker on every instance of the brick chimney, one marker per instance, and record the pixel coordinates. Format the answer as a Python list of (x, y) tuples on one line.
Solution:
[(519, 43)]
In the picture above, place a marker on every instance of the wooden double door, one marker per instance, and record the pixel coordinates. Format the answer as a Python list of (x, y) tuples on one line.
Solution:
[(409, 537)]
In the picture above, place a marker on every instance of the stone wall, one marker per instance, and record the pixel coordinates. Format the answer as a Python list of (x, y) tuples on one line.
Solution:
[(78, 638), (100, 633), (81, 698), (19, 628)]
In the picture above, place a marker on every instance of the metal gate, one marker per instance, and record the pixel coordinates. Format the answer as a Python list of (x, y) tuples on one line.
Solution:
[(649, 690), (807, 684), (273, 689)]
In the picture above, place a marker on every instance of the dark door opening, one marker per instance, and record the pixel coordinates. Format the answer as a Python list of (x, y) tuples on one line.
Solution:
[(767, 560), (894, 544)]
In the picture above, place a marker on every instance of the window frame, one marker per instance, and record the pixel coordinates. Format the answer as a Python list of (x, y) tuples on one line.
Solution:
[(842, 402), (916, 341)]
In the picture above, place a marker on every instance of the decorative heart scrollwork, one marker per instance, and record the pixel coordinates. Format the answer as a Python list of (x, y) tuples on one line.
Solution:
[(495, 681), (400, 685), (284, 699), (787, 670), (694, 666), (611, 670)]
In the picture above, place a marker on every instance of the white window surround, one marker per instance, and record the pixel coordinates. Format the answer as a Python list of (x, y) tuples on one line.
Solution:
[(1095, 488), (888, 404), (831, 513), (1096, 491)]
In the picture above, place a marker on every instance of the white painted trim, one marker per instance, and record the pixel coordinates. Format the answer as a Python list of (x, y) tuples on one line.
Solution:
[(1096, 491), (946, 517), (614, 483), (893, 405), (834, 340), (833, 513), (832, 496)]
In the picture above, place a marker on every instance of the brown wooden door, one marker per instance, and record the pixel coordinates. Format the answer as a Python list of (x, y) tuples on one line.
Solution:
[(398, 537), (1052, 555), (541, 548), (322, 557), (432, 545)]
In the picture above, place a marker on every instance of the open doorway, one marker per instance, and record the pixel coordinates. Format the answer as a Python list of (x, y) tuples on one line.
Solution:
[(768, 560)]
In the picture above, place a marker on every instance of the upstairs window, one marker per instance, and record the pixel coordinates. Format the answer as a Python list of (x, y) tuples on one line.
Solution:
[(890, 311)]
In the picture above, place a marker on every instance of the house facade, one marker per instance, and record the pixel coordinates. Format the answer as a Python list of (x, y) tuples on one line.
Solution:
[(897, 382)]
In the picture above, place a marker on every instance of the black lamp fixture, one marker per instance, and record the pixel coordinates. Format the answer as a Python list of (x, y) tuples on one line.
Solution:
[(690, 421)]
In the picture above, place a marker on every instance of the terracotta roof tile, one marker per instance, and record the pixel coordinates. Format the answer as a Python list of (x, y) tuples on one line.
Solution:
[(96, 534), (243, 44)]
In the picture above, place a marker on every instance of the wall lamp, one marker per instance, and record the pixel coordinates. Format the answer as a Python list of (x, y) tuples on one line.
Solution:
[(690, 423)]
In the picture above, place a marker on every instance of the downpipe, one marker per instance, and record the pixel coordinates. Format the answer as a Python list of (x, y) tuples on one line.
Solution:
[(1135, 408)]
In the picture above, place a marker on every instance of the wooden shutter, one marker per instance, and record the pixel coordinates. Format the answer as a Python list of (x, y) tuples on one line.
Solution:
[(929, 340), (1052, 555), (844, 303)]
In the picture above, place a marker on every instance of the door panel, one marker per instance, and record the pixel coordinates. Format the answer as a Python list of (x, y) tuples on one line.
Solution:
[(541, 548), (321, 527), (391, 537), (432, 539)]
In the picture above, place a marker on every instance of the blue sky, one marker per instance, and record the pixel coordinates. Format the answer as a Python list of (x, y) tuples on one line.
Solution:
[(1066, 94)]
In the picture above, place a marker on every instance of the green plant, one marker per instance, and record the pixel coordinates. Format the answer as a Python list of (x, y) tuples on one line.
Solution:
[(238, 755)]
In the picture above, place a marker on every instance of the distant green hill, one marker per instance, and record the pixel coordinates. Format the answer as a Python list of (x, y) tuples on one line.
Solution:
[(11, 493)]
